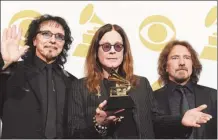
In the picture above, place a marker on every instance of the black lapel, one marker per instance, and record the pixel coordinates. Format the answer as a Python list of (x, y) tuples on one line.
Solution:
[(67, 107), (31, 73), (103, 92), (162, 97), (136, 112), (166, 99), (67, 81), (201, 97)]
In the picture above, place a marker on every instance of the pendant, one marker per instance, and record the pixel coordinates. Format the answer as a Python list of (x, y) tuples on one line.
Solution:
[(98, 94)]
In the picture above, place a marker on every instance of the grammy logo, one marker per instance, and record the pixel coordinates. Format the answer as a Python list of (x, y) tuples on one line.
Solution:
[(210, 50), (87, 16)]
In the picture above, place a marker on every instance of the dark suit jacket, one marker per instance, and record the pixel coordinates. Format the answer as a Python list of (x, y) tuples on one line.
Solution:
[(146, 115), (21, 107), (203, 95)]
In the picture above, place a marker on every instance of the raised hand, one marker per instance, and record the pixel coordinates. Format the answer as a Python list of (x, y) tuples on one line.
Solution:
[(194, 117), (10, 50)]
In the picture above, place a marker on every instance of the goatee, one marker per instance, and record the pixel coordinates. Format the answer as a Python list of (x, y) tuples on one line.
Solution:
[(181, 80)]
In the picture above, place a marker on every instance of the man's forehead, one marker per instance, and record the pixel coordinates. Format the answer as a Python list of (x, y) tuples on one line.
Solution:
[(50, 23), (179, 49)]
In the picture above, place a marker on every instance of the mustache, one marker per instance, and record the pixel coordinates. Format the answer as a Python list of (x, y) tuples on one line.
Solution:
[(51, 47), (182, 68)]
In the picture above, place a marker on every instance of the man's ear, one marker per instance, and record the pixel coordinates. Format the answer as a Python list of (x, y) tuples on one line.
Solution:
[(34, 41), (166, 68)]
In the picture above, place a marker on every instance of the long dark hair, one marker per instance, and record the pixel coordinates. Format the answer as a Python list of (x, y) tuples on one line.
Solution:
[(162, 62), (93, 67), (34, 28)]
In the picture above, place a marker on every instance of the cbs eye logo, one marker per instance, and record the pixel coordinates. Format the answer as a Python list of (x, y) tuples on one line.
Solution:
[(155, 31), (23, 19)]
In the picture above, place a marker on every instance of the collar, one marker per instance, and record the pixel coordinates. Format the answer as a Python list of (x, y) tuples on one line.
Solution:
[(190, 86), (40, 64), (172, 85)]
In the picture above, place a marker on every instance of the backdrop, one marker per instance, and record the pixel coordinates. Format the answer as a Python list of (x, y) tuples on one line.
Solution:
[(148, 24)]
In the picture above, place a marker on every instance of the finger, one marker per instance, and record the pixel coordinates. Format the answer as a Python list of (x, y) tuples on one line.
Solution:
[(196, 125), (13, 32), (101, 105), (98, 111), (23, 50), (4, 36), (204, 119), (19, 34), (206, 116), (200, 121), (118, 111), (9, 33), (115, 119), (201, 107), (111, 118)]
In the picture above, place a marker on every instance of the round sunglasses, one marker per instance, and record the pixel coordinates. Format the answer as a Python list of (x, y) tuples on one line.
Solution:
[(107, 47)]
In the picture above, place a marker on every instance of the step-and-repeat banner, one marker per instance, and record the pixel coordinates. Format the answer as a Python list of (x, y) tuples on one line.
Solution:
[(149, 25)]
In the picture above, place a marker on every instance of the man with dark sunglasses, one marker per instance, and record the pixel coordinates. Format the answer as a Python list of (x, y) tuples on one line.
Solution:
[(109, 70), (107, 47), (33, 91)]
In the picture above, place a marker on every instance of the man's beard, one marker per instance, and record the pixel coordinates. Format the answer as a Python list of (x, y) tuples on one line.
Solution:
[(49, 57), (181, 80)]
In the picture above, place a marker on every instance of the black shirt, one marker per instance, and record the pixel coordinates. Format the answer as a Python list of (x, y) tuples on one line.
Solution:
[(175, 98), (127, 127), (59, 89)]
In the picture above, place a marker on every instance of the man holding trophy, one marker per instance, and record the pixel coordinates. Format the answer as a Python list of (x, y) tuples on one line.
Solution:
[(112, 102)]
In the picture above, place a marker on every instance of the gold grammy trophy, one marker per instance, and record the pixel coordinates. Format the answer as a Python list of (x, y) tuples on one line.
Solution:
[(119, 98)]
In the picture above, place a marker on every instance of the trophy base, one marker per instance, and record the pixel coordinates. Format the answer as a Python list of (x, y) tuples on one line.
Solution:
[(119, 102)]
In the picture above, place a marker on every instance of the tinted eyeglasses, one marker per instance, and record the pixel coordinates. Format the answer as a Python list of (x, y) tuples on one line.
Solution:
[(107, 47), (47, 35)]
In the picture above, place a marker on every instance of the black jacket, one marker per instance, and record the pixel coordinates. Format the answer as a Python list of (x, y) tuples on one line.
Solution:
[(21, 108), (203, 95), (149, 120)]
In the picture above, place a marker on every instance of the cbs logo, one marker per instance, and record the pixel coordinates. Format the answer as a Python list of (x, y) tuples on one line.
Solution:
[(155, 31)]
